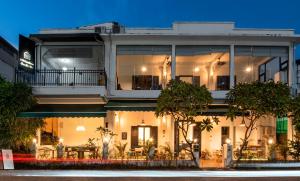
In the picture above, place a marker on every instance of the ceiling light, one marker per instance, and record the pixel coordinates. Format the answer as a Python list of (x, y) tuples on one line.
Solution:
[(248, 69), (80, 128), (65, 60), (64, 68), (196, 69), (144, 69)]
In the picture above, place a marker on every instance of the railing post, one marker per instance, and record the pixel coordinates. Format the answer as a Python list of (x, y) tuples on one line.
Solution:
[(45, 76), (74, 77)]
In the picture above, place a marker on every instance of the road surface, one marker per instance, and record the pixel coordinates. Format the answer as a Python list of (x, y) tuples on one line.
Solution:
[(83, 175)]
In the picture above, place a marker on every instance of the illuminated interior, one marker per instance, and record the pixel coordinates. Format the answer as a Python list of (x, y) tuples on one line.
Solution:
[(203, 65), (143, 67), (261, 63)]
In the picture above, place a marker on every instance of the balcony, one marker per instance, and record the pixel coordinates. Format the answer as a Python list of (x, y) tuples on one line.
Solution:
[(65, 82)]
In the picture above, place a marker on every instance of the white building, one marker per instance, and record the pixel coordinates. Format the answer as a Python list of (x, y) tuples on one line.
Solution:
[(109, 75)]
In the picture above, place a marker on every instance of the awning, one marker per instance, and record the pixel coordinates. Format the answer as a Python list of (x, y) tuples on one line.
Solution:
[(131, 105), (64, 110), (150, 105)]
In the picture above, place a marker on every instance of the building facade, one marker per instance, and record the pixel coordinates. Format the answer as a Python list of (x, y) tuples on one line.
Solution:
[(8, 60), (110, 76)]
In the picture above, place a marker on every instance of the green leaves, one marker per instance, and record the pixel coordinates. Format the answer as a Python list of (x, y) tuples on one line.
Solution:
[(16, 133), (183, 99), (258, 99), (295, 112)]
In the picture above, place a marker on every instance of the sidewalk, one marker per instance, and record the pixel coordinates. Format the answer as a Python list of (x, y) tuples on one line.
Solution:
[(66, 175)]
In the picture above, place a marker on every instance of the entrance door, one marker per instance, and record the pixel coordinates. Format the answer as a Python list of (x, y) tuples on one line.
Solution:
[(224, 134), (141, 134)]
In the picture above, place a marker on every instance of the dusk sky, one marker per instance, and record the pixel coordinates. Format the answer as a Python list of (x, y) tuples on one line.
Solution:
[(25, 17)]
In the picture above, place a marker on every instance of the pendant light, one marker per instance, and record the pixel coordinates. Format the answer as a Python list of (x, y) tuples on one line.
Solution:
[(80, 127)]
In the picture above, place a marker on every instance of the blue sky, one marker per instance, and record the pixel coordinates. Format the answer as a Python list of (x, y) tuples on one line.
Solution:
[(25, 17)]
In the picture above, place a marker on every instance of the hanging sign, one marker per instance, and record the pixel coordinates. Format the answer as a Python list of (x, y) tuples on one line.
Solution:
[(7, 160), (26, 54)]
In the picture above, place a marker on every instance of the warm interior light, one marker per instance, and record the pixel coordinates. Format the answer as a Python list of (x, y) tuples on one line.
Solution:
[(106, 139), (228, 141), (34, 140), (243, 123), (248, 69), (144, 69), (196, 69), (195, 140), (151, 139), (164, 119), (61, 140), (270, 141), (64, 68), (80, 128)]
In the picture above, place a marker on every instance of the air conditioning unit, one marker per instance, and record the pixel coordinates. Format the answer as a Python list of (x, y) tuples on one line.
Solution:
[(100, 29)]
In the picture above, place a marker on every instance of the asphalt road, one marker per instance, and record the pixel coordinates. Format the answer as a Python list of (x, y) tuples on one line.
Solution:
[(83, 175)]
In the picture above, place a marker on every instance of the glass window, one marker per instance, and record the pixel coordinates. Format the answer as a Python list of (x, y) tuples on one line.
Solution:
[(144, 135), (69, 57), (143, 67), (49, 133), (203, 65), (261, 63)]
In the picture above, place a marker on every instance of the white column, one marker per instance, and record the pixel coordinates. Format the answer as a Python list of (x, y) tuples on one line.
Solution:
[(292, 66), (173, 64), (112, 72), (231, 69)]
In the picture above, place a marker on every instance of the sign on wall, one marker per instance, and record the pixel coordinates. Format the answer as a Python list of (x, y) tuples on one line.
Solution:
[(26, 54), (7, 160)]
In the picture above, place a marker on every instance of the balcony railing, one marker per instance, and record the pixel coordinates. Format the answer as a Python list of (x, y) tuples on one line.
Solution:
[(72, 77)]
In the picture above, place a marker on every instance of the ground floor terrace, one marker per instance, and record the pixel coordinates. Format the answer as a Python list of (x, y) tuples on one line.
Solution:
[(134, 134)]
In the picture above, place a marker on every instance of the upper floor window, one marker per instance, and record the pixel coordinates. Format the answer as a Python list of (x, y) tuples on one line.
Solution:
[(261, 63), (143, 67), (84, 57), (203, 65)]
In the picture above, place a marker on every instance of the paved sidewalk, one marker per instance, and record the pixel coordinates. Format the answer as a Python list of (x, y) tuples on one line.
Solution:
[(66, 175)]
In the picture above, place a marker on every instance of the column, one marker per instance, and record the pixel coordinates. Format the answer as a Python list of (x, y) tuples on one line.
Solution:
[(231, 69), (173, 65)]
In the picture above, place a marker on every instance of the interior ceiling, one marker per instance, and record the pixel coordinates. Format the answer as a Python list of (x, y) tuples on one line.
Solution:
[(203, 59), (136, 60), (78, 57)]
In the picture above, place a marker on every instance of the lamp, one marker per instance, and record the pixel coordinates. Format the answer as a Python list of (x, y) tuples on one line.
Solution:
[(61, 140), (80, 128), (270, 141), (144, 69), (34, 140), (248, 69), (228, 141)]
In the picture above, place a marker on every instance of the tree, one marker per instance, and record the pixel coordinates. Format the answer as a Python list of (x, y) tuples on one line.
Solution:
[(16, 133), (255, 100), (295, 112), (183, 102)]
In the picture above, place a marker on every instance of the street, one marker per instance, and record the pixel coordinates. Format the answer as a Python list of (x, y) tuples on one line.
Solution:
[(66, 175)]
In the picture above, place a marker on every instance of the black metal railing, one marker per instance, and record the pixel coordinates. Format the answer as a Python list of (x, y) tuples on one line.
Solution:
[(74, 77)]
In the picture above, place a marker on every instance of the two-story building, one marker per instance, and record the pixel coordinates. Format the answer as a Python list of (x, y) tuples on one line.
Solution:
[(109, 75)]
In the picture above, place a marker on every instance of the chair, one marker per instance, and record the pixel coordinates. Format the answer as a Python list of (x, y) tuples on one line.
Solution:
[(71, 152)]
